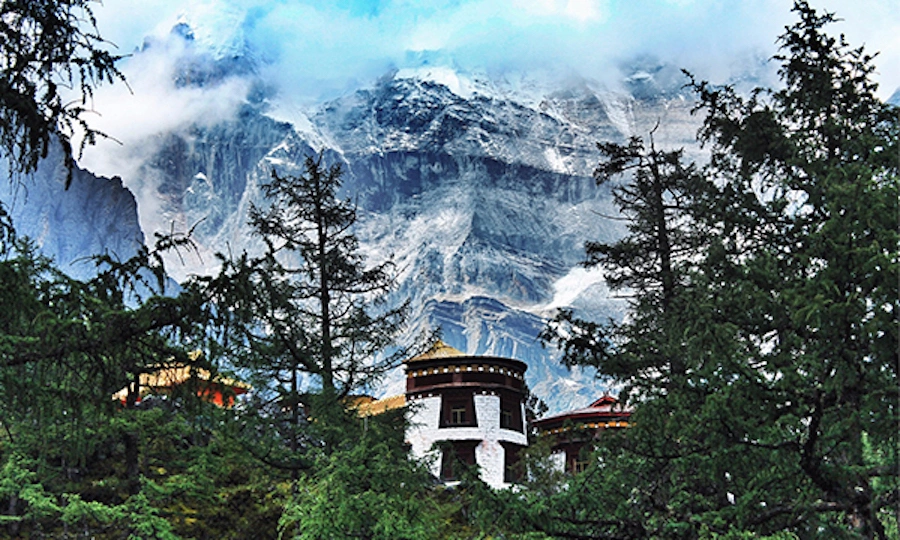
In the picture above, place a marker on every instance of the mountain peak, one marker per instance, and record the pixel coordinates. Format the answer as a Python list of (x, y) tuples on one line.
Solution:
[(458, 83), (221, 33)]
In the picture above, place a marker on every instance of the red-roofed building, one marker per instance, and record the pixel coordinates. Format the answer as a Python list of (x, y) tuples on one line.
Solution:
[(573, 430), (215, 389)]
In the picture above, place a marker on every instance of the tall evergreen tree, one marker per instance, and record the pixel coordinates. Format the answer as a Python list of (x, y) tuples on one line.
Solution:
[(331, 288), (785, 315), (307, 313), (811, 279), (650, 265)]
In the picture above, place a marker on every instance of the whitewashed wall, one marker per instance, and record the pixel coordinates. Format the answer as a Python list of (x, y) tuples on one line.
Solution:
[(425, 431)]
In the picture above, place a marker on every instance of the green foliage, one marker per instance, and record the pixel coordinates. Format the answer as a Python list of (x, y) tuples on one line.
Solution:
[(73, 344), (760, 353), (706, 534), (45, 511), (367, 489), (305, 318), (331, 288), (47, 47), (75, 461), (72, 457), (812, 285), (653, 262)]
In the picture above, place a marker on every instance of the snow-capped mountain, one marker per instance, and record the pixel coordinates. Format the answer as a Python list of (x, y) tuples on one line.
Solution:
[(479, 188)]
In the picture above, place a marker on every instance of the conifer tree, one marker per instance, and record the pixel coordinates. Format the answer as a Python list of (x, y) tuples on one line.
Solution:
[(307, 313), (45, 47), (650, 265), (808, 274), (785, 317), (331, 288)]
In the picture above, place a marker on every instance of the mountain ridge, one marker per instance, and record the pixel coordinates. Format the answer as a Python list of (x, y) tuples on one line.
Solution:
[(483, 202)]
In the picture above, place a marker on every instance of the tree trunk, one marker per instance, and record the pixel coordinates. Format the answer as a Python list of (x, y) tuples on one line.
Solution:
[(130, 439), (324, 293), (11, 511)]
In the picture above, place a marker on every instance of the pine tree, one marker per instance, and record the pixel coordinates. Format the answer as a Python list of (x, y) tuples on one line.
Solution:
[(307, 219), (784, 315), (818, 263), (307, 313), (650, 265)]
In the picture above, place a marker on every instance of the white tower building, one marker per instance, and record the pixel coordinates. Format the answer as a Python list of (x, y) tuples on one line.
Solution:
[(467, 409)]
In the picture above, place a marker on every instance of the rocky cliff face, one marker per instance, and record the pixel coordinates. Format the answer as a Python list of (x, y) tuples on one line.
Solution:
[(95, 215), (479, 190)]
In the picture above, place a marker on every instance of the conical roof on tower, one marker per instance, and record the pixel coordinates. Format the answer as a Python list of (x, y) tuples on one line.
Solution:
[(438, 350)]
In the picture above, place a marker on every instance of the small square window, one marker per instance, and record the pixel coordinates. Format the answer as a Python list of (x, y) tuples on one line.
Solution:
[(506, 419), (580, 465), (457, 411), (458, 416), (455, 456)]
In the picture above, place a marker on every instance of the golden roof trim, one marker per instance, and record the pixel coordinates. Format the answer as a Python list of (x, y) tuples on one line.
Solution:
[(378, 406), (170, 377), (438, 350)]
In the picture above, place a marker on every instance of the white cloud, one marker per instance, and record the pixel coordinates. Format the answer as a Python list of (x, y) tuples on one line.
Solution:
[(572, 285), (136, 116), (584, 10), (323, 48)]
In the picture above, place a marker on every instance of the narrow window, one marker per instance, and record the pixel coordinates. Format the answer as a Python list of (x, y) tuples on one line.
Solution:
[(448, 465), (456, 455), (512, 466), (579, 465), (458, 416), (511, 412)]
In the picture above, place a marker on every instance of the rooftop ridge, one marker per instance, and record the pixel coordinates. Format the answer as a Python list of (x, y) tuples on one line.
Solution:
[(438, 350)]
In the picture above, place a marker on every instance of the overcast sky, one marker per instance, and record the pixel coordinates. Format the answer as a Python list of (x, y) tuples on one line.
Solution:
[(319, 48)]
